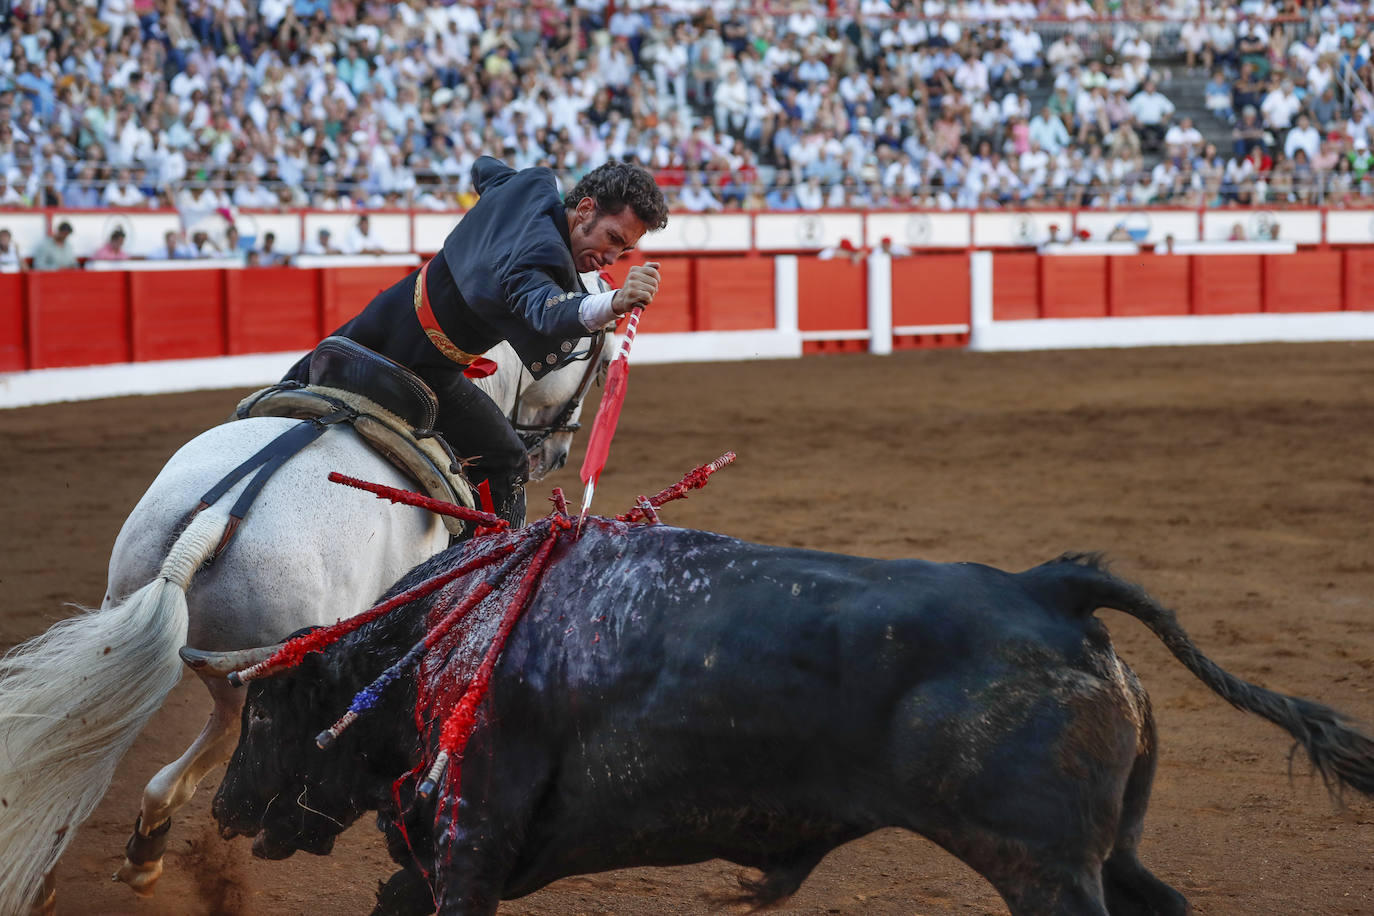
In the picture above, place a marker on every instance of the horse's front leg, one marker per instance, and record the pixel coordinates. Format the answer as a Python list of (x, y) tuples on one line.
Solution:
[(174, 785)]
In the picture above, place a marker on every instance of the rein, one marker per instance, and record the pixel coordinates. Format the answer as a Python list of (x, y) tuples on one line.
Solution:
[(534, 435)]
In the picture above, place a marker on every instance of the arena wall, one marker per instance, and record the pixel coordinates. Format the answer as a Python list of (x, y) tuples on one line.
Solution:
[(149, 326)]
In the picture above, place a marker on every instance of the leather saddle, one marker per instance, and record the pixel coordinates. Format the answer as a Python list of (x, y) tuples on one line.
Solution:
[(389, 406)]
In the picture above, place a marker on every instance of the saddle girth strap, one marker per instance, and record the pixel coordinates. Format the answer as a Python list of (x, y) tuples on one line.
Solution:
[(266, 462)]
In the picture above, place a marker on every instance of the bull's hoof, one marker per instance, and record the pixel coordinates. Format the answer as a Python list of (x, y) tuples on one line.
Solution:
[(140, 876)]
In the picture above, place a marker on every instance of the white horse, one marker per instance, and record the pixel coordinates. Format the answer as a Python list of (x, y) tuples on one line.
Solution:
[(310, 552)]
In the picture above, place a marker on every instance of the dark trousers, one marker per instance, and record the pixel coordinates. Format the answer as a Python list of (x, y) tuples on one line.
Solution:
[(468, 419)]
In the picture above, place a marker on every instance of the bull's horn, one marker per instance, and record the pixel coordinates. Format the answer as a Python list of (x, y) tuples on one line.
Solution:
[(222, 663)]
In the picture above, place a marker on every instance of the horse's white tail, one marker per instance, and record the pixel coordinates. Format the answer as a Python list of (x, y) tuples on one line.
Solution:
[(72, 701)]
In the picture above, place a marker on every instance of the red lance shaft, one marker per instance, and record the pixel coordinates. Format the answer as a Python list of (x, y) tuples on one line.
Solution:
[(607, 416)]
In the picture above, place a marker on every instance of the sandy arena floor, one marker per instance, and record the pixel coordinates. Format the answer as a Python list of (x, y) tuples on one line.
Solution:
[(1237, 483)]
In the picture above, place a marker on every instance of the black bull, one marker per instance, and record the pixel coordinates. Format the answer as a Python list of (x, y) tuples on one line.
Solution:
[(674, 696)]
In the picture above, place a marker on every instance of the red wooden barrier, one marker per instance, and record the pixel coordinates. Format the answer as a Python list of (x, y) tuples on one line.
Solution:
[(346, 291), (1015, 286), (77, 319), (176, 314), (734, 294), (1308, 281), (1073, 286), (930, 289), (1149, 284), (14, 352), (270, 309), (672, 309), (1226, 284), (831, 295), (1359, 279)]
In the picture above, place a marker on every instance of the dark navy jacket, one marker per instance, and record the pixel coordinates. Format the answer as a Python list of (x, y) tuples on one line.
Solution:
[(511, 258)]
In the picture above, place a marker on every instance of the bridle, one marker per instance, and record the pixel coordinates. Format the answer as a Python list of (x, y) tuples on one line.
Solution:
[(534, 435)]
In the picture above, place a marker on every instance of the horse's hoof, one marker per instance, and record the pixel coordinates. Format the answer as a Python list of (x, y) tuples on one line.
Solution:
[(47, 906), (141, 878)]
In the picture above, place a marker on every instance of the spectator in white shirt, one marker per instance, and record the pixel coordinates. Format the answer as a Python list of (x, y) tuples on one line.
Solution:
[(251, 195), (1280, 106), (732, 104), (122, 192), (1303, 137), (1183, 139), (696, 197), (361, 239), (11, 262), (1152, 111)]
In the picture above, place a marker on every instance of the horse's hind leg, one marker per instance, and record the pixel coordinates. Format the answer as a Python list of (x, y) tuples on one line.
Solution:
[(174, 785)]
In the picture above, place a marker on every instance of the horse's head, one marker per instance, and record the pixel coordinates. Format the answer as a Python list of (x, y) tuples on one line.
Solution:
[(548, 409)]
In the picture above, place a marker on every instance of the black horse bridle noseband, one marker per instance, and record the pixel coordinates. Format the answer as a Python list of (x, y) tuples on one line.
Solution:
[(534, 435)]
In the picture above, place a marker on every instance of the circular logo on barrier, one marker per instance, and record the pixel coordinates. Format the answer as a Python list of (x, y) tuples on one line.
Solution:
[(1023, 230), (247, 227), (809, 231), (1138, 225), (119, 221), (918, 230), (696, 231), (1262, 225)]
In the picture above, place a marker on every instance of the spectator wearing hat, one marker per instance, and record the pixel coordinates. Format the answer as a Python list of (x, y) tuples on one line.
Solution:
[(892, 249), (113, 249), (322, 244), (55, 251)]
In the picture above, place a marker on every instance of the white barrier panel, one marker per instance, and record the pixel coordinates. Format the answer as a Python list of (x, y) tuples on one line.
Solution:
[(1077, 333), (428, 230), (921, 230), (1020, 228), (356, 260), (392, 230), (1350, 227), (689, 232), (286, 227), (162, 265), (1301, 226), (806, 231), (1145, 226), (143, 232), (1235, 248), (27, 229), (47, 386), (716, 346)]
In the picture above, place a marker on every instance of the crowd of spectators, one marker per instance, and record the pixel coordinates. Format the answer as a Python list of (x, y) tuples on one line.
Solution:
[(211, 105)]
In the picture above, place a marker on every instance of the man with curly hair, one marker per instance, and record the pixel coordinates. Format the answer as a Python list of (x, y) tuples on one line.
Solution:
[(510, 271)]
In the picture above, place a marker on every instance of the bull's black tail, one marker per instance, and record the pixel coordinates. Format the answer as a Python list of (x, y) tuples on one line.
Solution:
[(1341, 753)]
